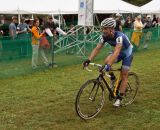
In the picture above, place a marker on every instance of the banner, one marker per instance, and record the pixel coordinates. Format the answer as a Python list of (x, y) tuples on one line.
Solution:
[(85, 13)]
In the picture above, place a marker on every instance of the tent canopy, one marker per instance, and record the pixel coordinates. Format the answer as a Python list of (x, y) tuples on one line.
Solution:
[(63, 7), (39, 7), (114, 6), (151, 7)]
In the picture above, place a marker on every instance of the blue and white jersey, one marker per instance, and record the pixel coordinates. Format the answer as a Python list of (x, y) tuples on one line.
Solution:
[(119, 38)]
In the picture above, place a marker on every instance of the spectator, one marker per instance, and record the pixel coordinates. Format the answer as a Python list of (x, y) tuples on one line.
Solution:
[(137, 33), (22, 30), (12, 28), (147, 32), (30, 23), (118, 22), (147, 22), (4, 27), (72, 29), (35, 45), (158, 20), (52, 28), (128, 23), (154, 21)]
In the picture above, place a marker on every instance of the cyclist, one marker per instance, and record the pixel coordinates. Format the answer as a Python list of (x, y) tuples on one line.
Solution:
[(122, 51)]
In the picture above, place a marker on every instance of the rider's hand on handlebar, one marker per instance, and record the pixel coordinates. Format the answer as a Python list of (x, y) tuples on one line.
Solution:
[(106, 67), (86, 63)]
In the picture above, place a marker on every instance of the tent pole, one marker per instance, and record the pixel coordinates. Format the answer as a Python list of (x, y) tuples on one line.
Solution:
[(19, 17), (59, 21), (32, 16), (97, 20)]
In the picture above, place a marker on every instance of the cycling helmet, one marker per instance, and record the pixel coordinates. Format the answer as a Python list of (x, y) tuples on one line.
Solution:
[(108, 22)]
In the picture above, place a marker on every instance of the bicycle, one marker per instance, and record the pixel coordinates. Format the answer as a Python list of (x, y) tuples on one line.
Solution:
[(90, 97)]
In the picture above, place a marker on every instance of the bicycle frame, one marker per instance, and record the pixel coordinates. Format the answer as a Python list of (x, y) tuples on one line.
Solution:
[(112, 92), (101, 78)]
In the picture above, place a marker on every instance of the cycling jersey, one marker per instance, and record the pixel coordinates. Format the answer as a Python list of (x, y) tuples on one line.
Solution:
[(126, 51), (119, 38)]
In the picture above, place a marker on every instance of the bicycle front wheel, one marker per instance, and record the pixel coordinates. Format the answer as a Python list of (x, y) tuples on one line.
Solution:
[(90, 99), (132, 89)]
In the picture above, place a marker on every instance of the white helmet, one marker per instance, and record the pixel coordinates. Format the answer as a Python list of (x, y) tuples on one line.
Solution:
[(108, 22)]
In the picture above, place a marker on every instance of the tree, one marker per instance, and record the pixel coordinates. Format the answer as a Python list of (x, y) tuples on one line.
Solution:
[(137, 2)]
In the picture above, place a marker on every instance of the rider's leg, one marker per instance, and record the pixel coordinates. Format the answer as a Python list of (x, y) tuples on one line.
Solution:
[(126, 63), (124, 78), (122, 89)]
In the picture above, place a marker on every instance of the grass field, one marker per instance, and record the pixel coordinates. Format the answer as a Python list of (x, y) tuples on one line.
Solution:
[(45, 100)]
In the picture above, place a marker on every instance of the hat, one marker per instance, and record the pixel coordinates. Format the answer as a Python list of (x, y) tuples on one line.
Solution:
[(117, 14), (148, 16), (14, 17), (139, 16)]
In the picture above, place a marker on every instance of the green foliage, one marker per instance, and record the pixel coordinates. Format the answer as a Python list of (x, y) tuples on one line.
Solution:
[(137, 2), (45, 100)]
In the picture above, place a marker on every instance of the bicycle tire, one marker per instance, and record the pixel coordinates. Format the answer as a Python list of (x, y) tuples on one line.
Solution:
[(94, 91), (131, 90)]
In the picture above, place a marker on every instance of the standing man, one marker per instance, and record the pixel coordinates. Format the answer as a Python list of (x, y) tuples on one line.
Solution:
[(23, 36), (146, 31), (12, 28), (51, 29), (118, 22), (22, 28)]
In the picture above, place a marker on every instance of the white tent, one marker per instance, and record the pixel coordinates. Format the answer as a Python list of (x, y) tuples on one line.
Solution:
[(63, 6), (151, 7), (114, 6), (39, 7)]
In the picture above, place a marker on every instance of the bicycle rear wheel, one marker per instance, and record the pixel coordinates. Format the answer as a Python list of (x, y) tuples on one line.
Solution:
[(131, 90), (90, 99)]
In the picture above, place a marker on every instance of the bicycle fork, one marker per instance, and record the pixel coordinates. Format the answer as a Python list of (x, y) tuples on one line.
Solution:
[(92, 96)]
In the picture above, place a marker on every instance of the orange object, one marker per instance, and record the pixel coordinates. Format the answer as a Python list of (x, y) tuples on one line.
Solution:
[(44, 43)]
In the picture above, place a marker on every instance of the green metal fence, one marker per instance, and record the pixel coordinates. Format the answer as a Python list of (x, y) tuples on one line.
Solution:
[(15, 55)]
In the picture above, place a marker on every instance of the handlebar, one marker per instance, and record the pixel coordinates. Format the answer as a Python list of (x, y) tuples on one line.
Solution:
[(96, 65), (93, 64), (99, 66)]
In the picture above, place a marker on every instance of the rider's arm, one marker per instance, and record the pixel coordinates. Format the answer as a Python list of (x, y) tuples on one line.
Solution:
[(115, 54), (95, 51)]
